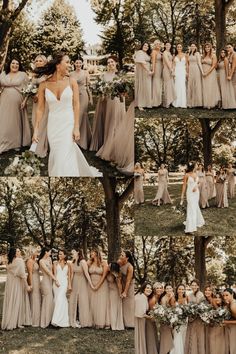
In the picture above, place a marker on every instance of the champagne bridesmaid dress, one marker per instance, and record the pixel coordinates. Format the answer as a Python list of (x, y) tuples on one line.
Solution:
[(141, 308), (35, 296), (157, 81), (194, 87), (233, 80), (202, 185), (210, 185), (79, 297), (151, 337), (231, 183), (138, 188), (162, 192), (15, 128), (143, 80), (84, 125), (16, 306), (168, 80), (211, 92), (42, 146), (228, 100), (115, 305), (221, 192), (99, 299), (215, 340), (230, 335), (128, 301), (47, 295)]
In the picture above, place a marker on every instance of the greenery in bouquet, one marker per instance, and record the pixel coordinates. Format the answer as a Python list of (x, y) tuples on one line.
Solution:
[(179, 209), (191, 311), (173, 317), (101, 88), (215, 316), (25, 165), (122, 86), (30, 90)]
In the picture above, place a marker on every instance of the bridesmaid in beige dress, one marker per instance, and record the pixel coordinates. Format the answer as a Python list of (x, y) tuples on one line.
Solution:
[(162, 192), (194, 76), (228, 100), (210, 181), (143, 77), (151, 327), (195, 336), (79, 297), (202, 185), (232, 65), (45, 265), (231, 181), (157, 67), (230, 329), (115, 301), (140, 318), (139, 177), (168, 79), (34, 282), (221, 189), (166, 338), (42, 146), (211, 92), (83, 80), (127, 278), (16, 306), (115, 115), (15, 128), (99, 295)]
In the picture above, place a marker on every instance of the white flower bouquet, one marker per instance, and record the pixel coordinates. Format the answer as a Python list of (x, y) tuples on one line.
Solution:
[(30, 90), (172, 317)]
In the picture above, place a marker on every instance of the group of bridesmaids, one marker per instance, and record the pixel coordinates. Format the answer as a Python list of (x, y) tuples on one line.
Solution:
[(76, 293), (218, 184), (194, 337), (185, 79), (111, 127)]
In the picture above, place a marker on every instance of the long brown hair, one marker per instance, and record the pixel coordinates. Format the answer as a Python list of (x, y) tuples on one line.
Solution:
[(211, 49)]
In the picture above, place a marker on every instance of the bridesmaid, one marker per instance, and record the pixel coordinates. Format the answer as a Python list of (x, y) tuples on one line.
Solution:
[(42, 146), (34, 282), (99, 295), (180, 74), (195, 336), (151, 325), (228, 100), (211, 92), (194, 76), (127, 278), (45, 265), (210, 181), (168, 80), (143, 77), (166, 338), (230, 329), (140, 317), (221, 189), (231, 180), (202, 185), (232, 65), (115, 115), (16, 306), (115, 301), (15, 128), (157, 67), (83, 80), (79, 297), (139, 177), (162, 192)]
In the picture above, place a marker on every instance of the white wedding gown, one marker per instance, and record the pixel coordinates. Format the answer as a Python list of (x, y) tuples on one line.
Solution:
[(179, 340), (65, 158), (180, 83), (60, 316), (194, 216)]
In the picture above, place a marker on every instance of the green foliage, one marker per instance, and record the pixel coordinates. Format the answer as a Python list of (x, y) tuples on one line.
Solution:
[(230, 271)]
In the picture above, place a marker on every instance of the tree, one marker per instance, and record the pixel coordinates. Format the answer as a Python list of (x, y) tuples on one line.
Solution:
[(68, 34), (221, 9)]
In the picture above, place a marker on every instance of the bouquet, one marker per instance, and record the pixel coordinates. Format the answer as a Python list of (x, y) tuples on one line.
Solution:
[(25, 165), (101, 88), (179, 209), (30, 90), (216, 316), (172, 317)]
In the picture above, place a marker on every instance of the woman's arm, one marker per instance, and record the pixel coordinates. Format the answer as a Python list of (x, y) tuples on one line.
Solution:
[(105, 271), (86, 272), (153, 60), (129, 277), (199, 62), (30, 265), (44, 267), (232, 70), (39, 111), (213, 66), (76, 107), (69, 276), (184, 188), (166, 61)]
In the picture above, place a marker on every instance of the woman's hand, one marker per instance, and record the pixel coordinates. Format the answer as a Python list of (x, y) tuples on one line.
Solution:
[(35, 98), (123, 295), (194, 189), (35, 138), (57, 283), (23, 105), (76, 134)]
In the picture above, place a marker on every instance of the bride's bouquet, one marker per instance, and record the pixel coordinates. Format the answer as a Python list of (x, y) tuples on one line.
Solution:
[(172, 317), (30, 90), (25, 165)]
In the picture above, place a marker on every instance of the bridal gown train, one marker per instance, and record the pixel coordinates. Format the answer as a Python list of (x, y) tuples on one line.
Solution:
[(194, 216), (60, 316), (65, 158)]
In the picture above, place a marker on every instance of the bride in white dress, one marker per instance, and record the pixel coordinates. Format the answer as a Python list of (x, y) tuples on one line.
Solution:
[(62, 272), (180, 72), (190, 186), (62, 95)]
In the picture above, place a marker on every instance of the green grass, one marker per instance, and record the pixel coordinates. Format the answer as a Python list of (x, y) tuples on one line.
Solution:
[(185, 113), (151, 220)]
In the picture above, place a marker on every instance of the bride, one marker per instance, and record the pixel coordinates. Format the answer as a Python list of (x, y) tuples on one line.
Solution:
[(180, 71), (61, 271), (62, 95), (194, 216)]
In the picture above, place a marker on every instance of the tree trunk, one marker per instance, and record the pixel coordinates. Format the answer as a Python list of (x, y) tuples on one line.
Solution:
[(207, 143), (200, 245), (220, 20)]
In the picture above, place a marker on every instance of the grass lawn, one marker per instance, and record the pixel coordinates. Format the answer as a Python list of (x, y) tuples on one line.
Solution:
[(152, 220), (185, 113)]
